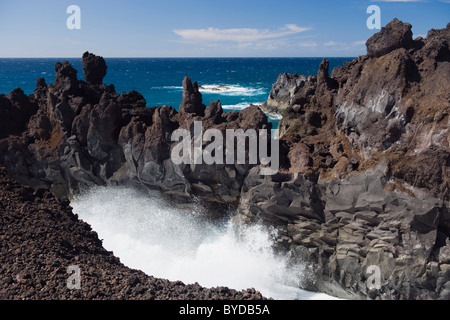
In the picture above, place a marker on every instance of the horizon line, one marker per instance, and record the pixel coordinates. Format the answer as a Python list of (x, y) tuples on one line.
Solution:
[(224, 57)]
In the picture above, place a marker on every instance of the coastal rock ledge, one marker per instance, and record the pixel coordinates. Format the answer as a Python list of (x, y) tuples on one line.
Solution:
[(362, 193), (41, 238)]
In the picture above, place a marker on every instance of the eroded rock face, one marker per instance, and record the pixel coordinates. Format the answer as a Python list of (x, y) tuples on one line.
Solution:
[(282, 92), (94, 68), (390, 106), (66, 77), (395, 35), (375, 135), (16, 110), (192, 98), (364, 154), (345, 228), (76, 134)]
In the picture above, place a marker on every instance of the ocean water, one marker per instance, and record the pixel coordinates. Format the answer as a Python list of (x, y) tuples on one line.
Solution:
[(236, 82)]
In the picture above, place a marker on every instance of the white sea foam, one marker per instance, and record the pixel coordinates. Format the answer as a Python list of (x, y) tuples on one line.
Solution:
[(169, 87), (148, 234), (238, 106), (227, 90), (274, 116), (231, 90), (243, 105)]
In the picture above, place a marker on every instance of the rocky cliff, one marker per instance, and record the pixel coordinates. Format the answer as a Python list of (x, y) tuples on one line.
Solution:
[(390, 106), (364, 154), (74, 134), (283, 90), (366, 180)]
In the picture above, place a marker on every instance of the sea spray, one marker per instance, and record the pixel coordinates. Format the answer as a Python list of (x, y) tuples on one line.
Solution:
[(165, 241)]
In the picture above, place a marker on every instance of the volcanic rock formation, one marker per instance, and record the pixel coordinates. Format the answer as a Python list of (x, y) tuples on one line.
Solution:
[(76, 134), (364, 154)]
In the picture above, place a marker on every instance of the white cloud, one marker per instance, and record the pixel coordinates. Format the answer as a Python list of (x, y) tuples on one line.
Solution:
[(307, 44), (344, 44), (295, 29), (237, 34), (331, 43), (359, 43)]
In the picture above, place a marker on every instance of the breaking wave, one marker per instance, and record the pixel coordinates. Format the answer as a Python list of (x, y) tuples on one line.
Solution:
[(149, 234), (226, 90), (231, 90)]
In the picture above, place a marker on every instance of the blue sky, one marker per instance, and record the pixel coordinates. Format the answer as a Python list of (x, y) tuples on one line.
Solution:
[(199, 28)]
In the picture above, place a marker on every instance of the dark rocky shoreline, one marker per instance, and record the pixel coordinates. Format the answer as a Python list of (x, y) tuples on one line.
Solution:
[(40, 238), (364, 176)]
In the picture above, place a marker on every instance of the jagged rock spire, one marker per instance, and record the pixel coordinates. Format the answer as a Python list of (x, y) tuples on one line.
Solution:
[(94, 68), (192, 98)]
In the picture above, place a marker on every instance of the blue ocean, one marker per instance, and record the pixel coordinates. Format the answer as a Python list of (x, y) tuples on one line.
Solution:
[(236, 82)]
